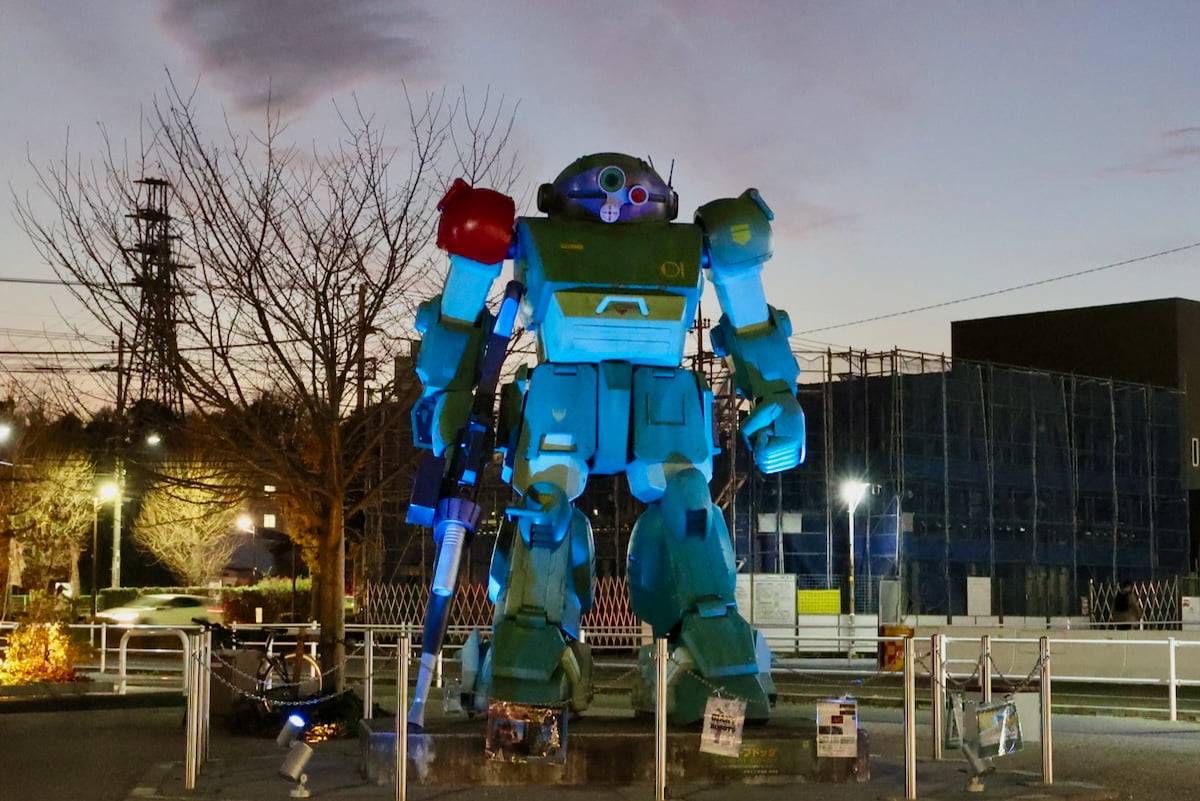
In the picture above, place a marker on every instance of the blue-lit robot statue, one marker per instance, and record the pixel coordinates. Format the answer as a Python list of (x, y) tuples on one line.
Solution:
[(611, 287)]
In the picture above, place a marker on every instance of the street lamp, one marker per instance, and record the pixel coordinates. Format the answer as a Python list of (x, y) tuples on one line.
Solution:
[(852, 493), (106, 492)]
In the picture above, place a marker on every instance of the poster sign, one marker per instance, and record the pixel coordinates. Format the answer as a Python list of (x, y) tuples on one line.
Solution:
[(954, 720), (523, 733), (723, 721), (837, 728), (999, 729), (452, 697)]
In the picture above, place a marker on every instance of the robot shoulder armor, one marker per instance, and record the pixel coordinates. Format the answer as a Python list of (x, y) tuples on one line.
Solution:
[(737, 231)]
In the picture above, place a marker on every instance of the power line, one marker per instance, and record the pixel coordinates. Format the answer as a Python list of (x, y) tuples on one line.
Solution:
[(43, 281), (995, 292)]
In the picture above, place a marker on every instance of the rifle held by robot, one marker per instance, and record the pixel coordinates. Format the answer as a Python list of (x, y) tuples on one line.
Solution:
[(444, 493)]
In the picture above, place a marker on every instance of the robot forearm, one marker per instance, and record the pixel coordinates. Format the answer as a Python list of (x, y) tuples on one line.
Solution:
[(448, 367), (762, 358), (765, 372)]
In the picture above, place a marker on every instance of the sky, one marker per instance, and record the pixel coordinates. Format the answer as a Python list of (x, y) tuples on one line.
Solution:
[(920, 155)]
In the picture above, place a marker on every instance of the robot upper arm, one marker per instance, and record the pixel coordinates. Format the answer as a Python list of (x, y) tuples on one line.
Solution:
[(737, 240)]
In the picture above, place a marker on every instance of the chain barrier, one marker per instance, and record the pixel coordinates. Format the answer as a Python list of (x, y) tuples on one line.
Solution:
[(962, 684), (618, 683), (1026, 682)]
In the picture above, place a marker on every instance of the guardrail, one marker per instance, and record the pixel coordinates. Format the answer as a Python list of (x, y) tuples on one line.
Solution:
[(1083, 655)]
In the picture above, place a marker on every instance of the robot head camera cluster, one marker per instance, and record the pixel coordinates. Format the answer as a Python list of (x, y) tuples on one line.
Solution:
[(611, 188)]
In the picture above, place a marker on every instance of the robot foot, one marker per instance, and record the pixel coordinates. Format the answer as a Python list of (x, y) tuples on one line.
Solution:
[(538, 666), (711, 657)]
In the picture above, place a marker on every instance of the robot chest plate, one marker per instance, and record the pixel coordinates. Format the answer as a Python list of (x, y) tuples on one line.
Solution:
[(599, 293)]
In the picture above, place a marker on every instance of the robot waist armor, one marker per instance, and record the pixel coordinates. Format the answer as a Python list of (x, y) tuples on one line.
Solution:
[(593, 326)]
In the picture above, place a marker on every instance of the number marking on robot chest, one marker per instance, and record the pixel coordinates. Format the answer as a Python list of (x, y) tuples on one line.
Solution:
[(671, 269)]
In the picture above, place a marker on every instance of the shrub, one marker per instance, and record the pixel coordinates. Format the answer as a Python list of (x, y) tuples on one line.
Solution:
[(42, 649), (273, 596)]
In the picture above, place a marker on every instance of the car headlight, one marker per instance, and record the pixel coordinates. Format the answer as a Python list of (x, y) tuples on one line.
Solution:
[(120, 616)]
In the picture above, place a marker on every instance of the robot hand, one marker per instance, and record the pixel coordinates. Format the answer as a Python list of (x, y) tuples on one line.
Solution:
[(476, 223), (775, 432)]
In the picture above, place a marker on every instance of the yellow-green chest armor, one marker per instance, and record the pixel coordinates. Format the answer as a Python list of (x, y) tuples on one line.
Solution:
[(599, 292)]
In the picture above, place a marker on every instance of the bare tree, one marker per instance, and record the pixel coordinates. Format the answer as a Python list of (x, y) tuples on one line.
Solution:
[(287, 271), (187, 521)]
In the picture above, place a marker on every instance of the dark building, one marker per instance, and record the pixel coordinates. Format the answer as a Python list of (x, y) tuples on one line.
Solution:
[(1153, 342), (1041, 481)]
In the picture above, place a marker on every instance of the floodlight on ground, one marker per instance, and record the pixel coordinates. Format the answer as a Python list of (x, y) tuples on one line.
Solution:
[(299, 753), (293, 727)]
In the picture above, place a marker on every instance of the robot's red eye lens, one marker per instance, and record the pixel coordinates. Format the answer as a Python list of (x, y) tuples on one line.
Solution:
[(638, 195)]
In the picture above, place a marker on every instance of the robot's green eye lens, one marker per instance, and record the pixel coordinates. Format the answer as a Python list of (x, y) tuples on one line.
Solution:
[(612, 179)]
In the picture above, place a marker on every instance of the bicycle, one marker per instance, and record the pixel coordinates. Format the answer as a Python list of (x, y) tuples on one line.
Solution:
[(281, 680)]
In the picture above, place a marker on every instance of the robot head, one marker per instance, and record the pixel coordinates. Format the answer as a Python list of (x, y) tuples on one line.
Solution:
[(611, 188)]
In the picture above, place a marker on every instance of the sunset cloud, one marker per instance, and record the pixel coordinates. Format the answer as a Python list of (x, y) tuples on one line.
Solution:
[(292, 53)]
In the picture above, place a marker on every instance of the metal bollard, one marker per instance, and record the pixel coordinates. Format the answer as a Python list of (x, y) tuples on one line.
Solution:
[(985, 669), (405, 646), (191, 740), (1172, 680), (937, 691), (204, 681), (103, 646), (910, 721), (1047, 741), (369, 670), (660, 719)]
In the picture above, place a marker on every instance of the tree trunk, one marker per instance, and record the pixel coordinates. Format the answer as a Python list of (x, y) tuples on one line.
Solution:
[(331, 608), (74, 579)]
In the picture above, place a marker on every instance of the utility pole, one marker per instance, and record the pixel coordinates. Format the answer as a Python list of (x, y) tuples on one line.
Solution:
[(118, 499), (118, 464)]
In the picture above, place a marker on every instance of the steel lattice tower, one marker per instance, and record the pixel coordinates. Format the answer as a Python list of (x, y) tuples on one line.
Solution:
[(153, 351)]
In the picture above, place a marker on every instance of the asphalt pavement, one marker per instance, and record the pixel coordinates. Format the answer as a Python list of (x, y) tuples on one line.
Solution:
[(105, 749)]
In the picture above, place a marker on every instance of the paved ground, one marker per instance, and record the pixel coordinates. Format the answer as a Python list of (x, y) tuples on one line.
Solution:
[(123, 754)]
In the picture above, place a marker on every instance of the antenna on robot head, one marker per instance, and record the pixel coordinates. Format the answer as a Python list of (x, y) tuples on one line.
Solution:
[(670, 175)]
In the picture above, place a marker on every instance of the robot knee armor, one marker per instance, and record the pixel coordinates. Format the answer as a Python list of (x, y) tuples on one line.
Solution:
[(686, 504)]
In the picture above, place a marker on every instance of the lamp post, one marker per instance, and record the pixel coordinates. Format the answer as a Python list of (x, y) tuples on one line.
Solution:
[(852, 493), (106, 492)]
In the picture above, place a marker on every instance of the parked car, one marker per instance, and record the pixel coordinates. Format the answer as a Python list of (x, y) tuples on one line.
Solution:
[(164, 609)]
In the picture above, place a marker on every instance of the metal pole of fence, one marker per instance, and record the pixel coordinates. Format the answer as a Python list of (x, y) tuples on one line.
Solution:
[(1047, 744), (910, 721), (937, 691), (103, 645), (204, 680), (405, 646), (660, 719), (191, 766), (1173, 687), (369, 669), (985, 669)]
